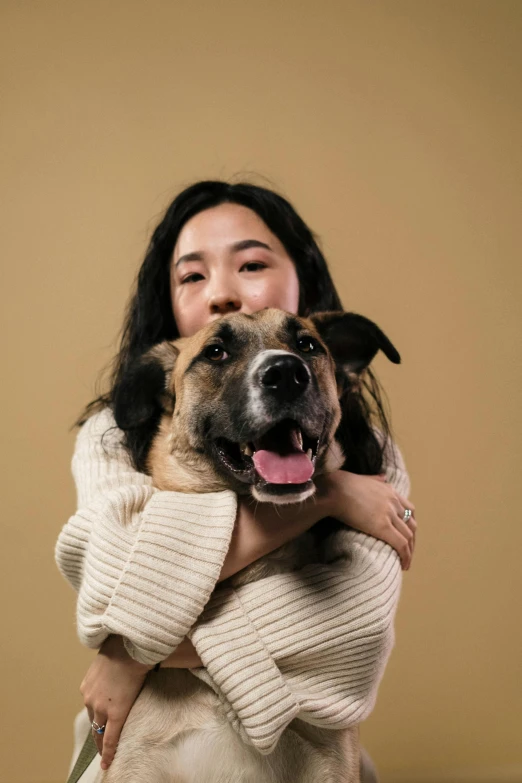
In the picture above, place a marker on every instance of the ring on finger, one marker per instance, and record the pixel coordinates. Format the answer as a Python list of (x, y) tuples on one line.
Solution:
[(97, 728), (407, 515)]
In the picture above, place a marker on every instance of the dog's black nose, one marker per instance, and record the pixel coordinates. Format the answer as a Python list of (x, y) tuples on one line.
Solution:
[(286, 377)]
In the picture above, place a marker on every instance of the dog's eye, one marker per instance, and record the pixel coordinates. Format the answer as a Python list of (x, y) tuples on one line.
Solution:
[(307, 344), (216, 353)]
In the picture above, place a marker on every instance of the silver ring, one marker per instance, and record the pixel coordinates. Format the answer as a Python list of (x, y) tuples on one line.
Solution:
[(98, 729), (407, 515)]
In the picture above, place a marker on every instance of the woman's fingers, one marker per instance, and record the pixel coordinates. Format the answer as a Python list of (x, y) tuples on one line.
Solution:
[(405, 503), (404, 530), (100, 721), (410, 525), (110, 742), (96, 717), (107, 742), (401, 544)]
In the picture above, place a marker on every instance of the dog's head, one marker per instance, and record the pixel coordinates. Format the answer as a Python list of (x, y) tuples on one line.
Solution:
[(250, 402)]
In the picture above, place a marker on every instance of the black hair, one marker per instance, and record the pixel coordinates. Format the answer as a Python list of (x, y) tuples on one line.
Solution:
[(149, 318)]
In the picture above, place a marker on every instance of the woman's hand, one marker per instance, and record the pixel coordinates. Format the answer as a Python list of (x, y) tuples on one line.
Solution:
[(368, 504), (109, 689)]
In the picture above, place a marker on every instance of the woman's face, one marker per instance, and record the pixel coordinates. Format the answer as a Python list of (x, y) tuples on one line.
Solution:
[(226, 260)]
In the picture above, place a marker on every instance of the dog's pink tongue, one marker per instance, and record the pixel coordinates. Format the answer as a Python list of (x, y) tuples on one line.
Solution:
[(295, 468)]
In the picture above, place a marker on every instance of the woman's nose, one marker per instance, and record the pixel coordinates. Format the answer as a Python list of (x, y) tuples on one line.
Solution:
[(224, 299), (224, 304)]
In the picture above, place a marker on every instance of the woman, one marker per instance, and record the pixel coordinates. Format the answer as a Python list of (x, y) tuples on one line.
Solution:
[(219, 249)]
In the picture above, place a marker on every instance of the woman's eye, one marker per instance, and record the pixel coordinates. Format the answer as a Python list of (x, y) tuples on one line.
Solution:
[(253, 266), (307, 344), (193, 278), (216, 353)]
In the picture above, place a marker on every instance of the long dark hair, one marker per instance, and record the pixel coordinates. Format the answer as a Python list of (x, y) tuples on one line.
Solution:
[(149, 318)]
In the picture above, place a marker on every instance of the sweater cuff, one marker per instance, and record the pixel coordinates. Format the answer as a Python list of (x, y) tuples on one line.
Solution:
[(171, 571), (228, 644)]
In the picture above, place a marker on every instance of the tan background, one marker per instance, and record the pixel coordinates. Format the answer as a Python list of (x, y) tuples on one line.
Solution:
[(395, 128)]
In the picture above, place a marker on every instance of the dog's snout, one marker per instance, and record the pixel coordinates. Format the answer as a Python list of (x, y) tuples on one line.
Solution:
[(285, 376)]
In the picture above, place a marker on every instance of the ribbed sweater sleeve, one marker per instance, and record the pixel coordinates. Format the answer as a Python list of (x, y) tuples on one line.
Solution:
[(144, 562), (311, 644)]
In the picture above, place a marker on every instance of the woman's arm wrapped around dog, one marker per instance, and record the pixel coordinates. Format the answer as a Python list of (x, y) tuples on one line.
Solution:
[(144, 562), (311, 644)]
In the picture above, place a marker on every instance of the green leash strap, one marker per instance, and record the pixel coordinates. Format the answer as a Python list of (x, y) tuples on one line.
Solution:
[(87, 753)]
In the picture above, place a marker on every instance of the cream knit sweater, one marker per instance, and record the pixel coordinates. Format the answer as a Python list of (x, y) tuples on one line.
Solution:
[(145, 564)]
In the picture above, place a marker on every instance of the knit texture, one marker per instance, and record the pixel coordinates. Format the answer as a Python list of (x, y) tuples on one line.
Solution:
[(144, 562), (311, 644)]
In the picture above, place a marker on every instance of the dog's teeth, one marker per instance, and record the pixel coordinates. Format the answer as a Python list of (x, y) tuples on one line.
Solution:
[(309, 454), (296, 437), (246, 450)]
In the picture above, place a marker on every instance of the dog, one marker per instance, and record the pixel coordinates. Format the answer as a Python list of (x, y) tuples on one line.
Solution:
[(249, 403)]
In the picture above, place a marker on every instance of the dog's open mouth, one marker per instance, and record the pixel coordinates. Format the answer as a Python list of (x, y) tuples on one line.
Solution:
[(283, 455)]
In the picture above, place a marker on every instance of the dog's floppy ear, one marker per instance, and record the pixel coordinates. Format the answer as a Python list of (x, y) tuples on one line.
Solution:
[(143, 393), (353, 340)]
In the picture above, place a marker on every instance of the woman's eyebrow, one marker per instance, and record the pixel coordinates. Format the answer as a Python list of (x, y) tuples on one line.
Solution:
[(246, 243), (243, 244), (189, 257)]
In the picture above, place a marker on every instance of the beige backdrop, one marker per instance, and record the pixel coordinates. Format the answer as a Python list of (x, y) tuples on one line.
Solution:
[(395, 128)]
